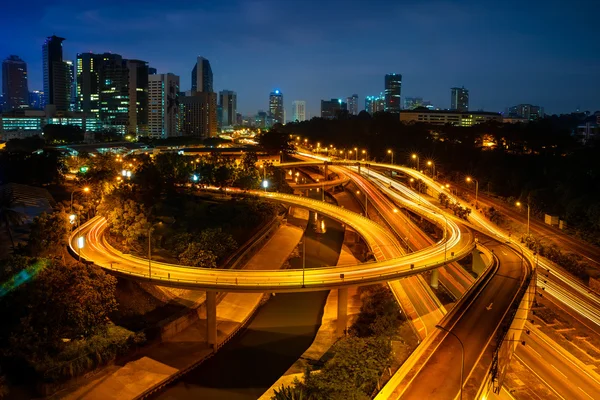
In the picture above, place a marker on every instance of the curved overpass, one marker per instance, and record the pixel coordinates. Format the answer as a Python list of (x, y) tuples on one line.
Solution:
[(458, 243)]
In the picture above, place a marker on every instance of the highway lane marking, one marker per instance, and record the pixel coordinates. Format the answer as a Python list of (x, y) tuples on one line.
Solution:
[(539, 377), (489, 307), (538, 354), (584, 392), (559, 371)]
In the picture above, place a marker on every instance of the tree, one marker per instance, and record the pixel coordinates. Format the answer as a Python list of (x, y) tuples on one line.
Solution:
[(220, 243), (63, 133), (195, 256), (108, 135), (8, 215), (128, 221), (64, 301), (290, 393), (49, 234), (275, 141)]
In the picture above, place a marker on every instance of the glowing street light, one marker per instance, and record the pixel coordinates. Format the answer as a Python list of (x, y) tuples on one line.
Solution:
[(469, 179), (366, 202), (390, 152), (195, 178), (265, 184), (528, 213), (432, 165), (416, 157), (85, 190)]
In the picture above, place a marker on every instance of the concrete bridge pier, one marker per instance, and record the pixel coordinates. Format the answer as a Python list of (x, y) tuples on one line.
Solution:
[(435, 276), (211, 319), (342, 319), (358, 168), (478, 263), (326, 172)]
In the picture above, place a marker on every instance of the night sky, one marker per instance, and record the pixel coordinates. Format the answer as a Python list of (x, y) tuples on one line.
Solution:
[(504, 52)]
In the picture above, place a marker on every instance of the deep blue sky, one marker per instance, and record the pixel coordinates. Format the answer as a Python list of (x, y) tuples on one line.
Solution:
[(504, 52)]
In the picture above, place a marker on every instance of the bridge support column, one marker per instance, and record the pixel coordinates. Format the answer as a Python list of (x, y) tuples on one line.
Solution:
[(211, 318), (358, 168), (325, 172), (342, 319), (478, 263), (435, 276)]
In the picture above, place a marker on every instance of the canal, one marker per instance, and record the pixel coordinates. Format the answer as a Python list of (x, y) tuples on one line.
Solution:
[(276, 337)]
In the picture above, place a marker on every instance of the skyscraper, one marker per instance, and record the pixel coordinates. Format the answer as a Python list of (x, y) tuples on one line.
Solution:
[(57, 77), (15, 91), (112, 91), (88, 67), (526, 111), (198, 115), (459, 99), (202, 76), (163, 106), (374, 104), (36, 100), (276, 107), (352, 102), (138, 97), (393, 89), (228, 103), (299, 107), (331, 109)]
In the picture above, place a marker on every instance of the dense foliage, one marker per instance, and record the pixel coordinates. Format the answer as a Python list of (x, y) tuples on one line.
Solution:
[(541, 160)]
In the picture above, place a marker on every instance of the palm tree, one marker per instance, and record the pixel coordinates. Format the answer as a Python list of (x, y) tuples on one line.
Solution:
[(9, 216)]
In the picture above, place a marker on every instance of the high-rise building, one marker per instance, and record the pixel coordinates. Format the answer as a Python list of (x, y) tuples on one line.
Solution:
[(202, 76), (374, 104), (88, 67), (352, 102), (36, 100), (57, 75), (198, 115), (112, 93), (228, 103), (299, 107), (410, 103), (72, 84), (138, 97), (163, 106), (331, 109), (15, 90), (393, 89), (526, 111), (459, 99), (276, 107)]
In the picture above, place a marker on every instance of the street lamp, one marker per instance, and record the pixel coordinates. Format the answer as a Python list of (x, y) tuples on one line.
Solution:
[(390, 152), (265, 185), (462, 356), (303, 257), (80, 245), (356, 151), (85, 189), (150, 228), (432, 165), (366, 157), (528, 213), (366, 202), (416, 157), (469, 179)]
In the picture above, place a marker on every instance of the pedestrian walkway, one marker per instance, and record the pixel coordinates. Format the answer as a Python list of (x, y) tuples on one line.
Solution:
[(159, 362), (326, 335)]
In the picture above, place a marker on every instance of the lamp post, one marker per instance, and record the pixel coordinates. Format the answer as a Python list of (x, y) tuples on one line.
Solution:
[(150, 249), (432, 165), (462, 356), (303, 257), (366, 202), (85, 189), (366, 155), (391, 153), (528, 213), (469, 179), (445, 230), (356, 151), (416, 157)]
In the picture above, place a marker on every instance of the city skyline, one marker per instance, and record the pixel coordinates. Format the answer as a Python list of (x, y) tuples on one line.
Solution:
[(430, 65)]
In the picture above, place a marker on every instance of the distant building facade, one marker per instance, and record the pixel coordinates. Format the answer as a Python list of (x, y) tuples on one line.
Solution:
[(202, 76), (276, 107), (198, 115), (331, 109), (393, 91), (36, 100), (526, 111), (459, 99), (163, 106), (352, 102), (57, 75), (374, 104), (299, 107), (456, 118), (15, 87), (228, 104)]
